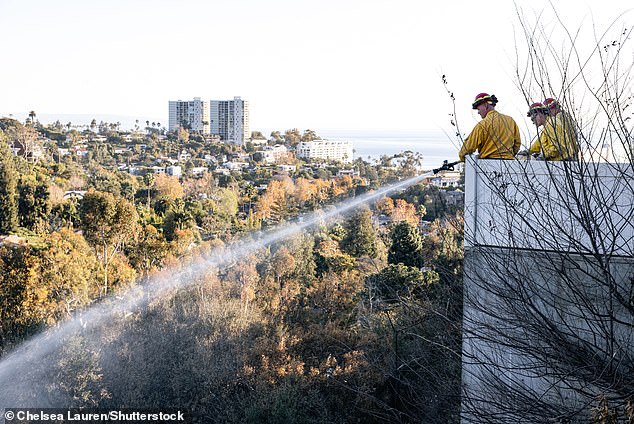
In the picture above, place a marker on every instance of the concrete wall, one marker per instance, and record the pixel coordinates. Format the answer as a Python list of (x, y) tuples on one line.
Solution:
[(550, 205), (549, 274)]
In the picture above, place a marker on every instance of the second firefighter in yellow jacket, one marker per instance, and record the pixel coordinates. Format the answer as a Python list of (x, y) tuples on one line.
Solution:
[(557, 140), (496, 136)]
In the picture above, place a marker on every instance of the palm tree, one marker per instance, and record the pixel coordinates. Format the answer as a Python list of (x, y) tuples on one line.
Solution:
[(32, 117)]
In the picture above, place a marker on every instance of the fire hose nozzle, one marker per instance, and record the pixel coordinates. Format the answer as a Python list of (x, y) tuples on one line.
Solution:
[(445, 167)]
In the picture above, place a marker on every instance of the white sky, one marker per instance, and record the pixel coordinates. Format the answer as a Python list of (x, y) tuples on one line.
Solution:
[(327, 64)]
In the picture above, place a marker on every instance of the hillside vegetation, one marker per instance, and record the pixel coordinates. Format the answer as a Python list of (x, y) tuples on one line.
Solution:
[(355, 321)]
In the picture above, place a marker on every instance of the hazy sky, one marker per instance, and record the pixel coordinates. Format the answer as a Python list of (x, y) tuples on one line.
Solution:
[(327, 64)]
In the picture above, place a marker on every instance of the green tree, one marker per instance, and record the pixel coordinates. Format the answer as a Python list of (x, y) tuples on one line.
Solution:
[(361, 238), (330, 259), (148, 250), (224, 202), (67, 270), (108, 224), (275, 135), (104, 180), (301, 246), (33, 204), (292, 136), (45, 285), (32, 116), (309, 135), (177, 217), (148, 180), (433, 201), (65, 214), (444, 248), (407, 245), (8, 188), (20, 297), (398, 281)]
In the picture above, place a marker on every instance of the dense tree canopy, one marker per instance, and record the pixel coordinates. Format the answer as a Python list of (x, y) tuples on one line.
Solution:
[(8, 188)]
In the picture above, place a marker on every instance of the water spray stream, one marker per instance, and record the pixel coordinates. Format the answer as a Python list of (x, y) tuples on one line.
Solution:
[(18, 385)]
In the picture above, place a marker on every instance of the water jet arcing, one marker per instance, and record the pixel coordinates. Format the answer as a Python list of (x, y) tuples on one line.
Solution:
[(24, 385)]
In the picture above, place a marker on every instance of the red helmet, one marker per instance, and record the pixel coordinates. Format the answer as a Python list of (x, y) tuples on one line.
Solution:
[(551, 103), (537, 108), (484, 97)]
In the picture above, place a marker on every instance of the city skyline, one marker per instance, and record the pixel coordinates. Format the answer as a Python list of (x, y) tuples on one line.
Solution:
[(332, 65)]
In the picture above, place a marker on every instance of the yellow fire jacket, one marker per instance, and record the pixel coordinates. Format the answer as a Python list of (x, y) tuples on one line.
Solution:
[(495, 137), (557, 141)]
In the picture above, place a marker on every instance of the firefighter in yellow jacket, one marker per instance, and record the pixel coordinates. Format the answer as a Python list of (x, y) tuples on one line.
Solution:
[(557, 141), (566, 135), (496, 136)]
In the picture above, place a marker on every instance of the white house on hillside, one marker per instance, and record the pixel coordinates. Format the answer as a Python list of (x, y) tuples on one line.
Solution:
[(272, 154), (174, 170)]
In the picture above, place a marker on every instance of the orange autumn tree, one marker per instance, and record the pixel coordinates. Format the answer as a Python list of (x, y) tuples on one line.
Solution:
[(305, 191), (273, 205), (404, 211), (398, 210), (168, 186)]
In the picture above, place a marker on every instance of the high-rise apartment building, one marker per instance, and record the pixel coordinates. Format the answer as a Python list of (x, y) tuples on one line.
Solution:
[(192, 115), (230, 120)]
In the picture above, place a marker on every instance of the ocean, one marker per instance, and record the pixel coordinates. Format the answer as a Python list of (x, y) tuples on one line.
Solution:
[(434, 145)]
